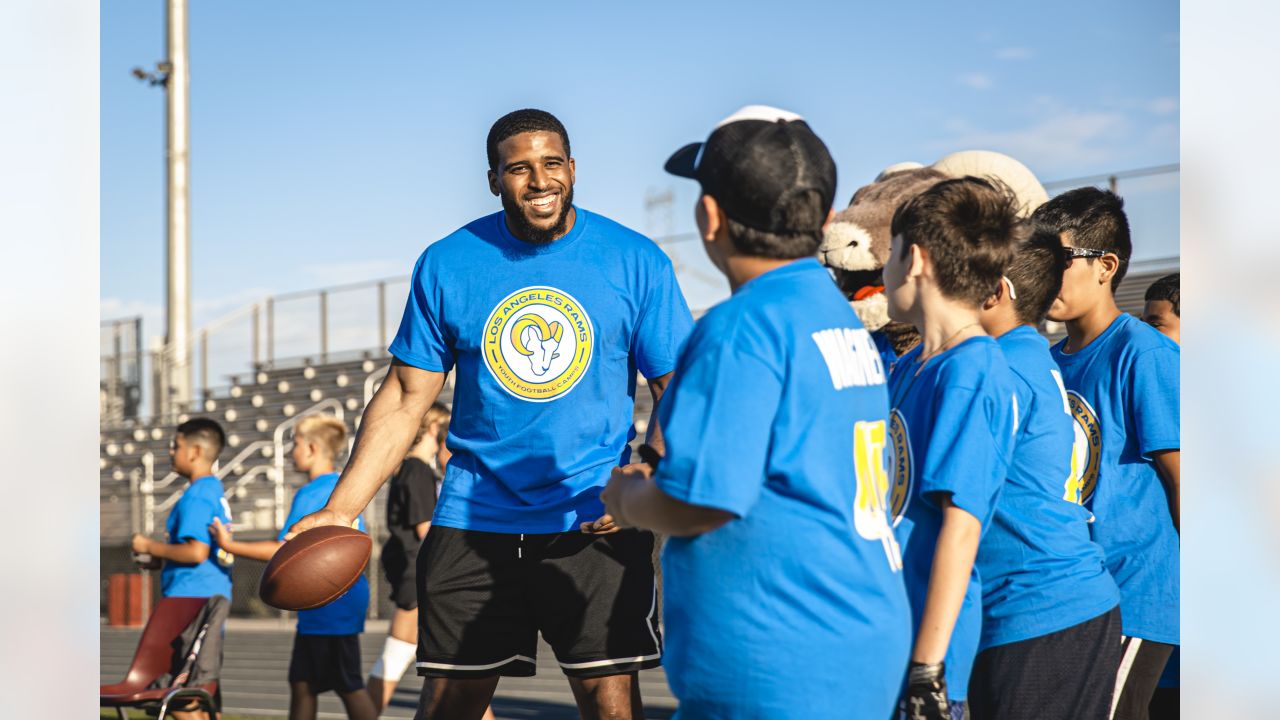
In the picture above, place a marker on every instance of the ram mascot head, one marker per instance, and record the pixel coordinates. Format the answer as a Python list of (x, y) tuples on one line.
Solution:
[(537, 340)]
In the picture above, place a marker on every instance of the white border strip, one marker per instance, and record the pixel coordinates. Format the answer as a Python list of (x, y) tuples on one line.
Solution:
[(490, 666), (615, 661), (1126, 664)]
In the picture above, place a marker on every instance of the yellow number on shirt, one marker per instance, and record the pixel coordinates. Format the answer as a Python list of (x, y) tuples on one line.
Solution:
[(870, 505)]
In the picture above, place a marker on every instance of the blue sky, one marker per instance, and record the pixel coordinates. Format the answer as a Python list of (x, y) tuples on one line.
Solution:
[(332, 141)]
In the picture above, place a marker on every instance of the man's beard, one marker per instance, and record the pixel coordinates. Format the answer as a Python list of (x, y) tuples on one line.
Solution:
[(531, 233)]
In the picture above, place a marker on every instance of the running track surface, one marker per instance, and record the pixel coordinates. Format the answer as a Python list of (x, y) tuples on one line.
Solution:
[(256, 664)]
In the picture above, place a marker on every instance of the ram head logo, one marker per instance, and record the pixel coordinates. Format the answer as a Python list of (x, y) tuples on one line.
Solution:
[(535, 339)]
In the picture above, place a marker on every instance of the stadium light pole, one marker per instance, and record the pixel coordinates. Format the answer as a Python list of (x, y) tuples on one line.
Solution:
[(178, 211), (174, 75)]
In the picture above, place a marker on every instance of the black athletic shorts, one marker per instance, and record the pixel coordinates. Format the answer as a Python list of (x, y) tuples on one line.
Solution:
[(1066, 675), (327, 662), (486, 596), (399, 567)]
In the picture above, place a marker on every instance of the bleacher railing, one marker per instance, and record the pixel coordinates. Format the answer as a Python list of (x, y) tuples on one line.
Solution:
[(146, 507)]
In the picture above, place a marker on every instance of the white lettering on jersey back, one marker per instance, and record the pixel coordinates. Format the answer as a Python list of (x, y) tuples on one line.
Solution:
[(851, 357)]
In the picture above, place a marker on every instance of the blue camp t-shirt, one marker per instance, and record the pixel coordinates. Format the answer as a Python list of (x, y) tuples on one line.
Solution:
[(344, 616), (190, 518), (1040, 570), (777, 413), (545, 341), (888, 356), (951, 429), (1123, 388)]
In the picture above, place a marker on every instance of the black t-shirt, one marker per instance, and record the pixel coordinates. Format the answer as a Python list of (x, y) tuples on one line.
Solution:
[(410, 500)]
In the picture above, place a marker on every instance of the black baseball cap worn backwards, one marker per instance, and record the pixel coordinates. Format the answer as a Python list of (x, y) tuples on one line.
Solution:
[(755, 162)]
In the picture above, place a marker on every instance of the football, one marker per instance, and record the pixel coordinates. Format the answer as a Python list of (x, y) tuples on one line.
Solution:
[(315, 568)]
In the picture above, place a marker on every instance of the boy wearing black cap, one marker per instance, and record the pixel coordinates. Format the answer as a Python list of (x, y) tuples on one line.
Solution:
[(783, 591)]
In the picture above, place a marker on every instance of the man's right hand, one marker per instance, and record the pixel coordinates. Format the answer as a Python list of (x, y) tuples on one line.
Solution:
[(318, 519)]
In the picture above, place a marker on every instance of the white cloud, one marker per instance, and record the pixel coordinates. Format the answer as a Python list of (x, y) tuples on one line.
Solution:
[(1163, 106), (1013, 53), (977, 81), (1065, 141)]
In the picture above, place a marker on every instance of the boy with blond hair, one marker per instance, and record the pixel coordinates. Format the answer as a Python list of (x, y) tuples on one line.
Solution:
[(326, 649)]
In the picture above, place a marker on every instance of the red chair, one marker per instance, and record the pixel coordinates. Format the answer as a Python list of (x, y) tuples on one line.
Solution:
[(154, 658)]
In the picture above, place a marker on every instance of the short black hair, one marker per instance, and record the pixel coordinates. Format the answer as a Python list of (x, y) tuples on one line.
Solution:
[(1096, 220), (523, 121), (204, 431), (1036, 275), (1167, 288), (802, 209), (969, 226)]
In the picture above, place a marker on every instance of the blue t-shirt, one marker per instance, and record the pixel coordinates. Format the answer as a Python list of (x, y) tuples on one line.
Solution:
[(1041, 572), (952, 428), (777, 413), (190, 518), (344, 616), (546, 341), (1123, 389), (888, 356)]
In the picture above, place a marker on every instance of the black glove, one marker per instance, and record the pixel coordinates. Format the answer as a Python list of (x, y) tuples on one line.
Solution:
[(926, 695)]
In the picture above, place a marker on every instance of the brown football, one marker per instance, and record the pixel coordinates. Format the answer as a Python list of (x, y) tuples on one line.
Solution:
[(315, 568)]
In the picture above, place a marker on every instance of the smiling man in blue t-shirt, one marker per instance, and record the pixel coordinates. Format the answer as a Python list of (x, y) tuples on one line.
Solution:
[(545, 312), (1048, 602), (783, 584)]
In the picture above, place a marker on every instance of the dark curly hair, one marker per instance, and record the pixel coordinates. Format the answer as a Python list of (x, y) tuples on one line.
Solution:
[(523, 121)]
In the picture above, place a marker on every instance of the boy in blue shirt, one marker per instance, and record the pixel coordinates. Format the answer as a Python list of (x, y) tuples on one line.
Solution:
[(783, 591), (1048, 602), (193, 565), (952, 423), (545, 312), (326, 649), (1163, 311), (1122, 380), (1163, 308)]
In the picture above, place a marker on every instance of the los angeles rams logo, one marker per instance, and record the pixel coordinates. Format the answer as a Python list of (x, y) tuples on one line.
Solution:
[(1086, 454), (538, 343), (900, 492)]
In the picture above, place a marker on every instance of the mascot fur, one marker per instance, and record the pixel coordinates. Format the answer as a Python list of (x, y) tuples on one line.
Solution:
[(856, 243)]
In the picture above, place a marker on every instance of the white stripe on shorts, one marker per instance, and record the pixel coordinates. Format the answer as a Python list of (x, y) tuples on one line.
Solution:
[(1131, 646), (490, 666), (602, 663)]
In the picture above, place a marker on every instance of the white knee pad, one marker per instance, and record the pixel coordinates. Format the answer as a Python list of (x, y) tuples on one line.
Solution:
[(395, 659)]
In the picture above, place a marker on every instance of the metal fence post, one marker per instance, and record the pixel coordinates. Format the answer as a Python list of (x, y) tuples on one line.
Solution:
[(257, 357), (382, 316), (271, 331), (324, 326), (204, 362)]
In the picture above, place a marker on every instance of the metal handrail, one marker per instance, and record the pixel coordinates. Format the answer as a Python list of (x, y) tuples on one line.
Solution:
[(370, 380), (249, 449), (277, 439)]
